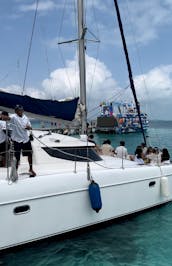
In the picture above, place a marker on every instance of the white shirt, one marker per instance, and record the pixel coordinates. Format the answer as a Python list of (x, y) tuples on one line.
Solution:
[(154, 158), (19, 132), (121, 152), (107, 149), (2, 134)]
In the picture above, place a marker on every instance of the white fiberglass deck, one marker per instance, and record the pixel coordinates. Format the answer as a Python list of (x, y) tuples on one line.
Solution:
[(44, 164)]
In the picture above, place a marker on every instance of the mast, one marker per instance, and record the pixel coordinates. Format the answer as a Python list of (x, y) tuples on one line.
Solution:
[(129, 67), (82, 73)]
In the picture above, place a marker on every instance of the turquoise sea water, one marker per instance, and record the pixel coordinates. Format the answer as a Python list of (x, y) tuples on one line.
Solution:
[(141, 240)]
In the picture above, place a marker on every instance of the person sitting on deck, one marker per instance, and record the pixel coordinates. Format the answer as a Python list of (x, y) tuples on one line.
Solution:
[(138, 156), (152, 156), (165, 156), (121, 151), (106, 148)]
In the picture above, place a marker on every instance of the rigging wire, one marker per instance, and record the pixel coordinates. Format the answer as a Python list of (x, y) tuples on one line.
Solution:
[(97, 107), (48, 68), (30, 46), (61, 20), (96, 40), (118, 94), (129, 67), (140, 61), (97, 51), (4, 77), (93, 75), (60, 50), (66, 70), (137, 48), (76, 63)]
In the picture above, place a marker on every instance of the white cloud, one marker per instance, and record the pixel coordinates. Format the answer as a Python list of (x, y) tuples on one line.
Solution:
[(153, 88), (30, 91), (142, 20), (64, 82), (13, 88), (147, 17), (158, 83), (42, 6)]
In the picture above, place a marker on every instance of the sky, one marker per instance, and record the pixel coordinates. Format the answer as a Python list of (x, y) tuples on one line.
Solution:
[(33, 63)]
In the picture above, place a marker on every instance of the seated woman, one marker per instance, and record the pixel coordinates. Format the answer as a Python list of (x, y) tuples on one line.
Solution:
[(152, 156), (138, 156), (106, 148), (165, 156)]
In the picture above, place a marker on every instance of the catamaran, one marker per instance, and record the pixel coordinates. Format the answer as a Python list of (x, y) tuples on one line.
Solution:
[(74, 187)]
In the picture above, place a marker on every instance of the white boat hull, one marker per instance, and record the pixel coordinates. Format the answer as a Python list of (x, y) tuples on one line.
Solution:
[(60, 203)]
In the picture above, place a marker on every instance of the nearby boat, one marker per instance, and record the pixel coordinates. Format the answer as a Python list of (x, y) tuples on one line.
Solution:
[(120, 117), (64, 195)]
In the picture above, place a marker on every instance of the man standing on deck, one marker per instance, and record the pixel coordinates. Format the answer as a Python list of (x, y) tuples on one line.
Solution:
[(20, 125)]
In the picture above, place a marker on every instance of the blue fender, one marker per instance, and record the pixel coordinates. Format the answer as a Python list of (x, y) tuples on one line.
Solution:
[(95, 196)]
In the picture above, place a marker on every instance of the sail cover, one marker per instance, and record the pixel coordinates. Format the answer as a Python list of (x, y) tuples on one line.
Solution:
[(40, 108)]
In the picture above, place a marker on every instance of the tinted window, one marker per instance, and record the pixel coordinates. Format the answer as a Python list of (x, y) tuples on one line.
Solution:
[(74, 154)]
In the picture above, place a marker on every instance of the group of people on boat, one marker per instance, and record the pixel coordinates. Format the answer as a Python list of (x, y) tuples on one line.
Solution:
[(120, 151), (151, 155), (19, 140), (107, 149), (142, 155)]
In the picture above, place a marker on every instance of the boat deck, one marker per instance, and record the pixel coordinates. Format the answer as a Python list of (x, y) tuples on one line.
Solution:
[(59, 166), (45, 165)]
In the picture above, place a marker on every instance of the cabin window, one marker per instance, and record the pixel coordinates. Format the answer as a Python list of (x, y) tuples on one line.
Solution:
[(21, 209), (73, 153)]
